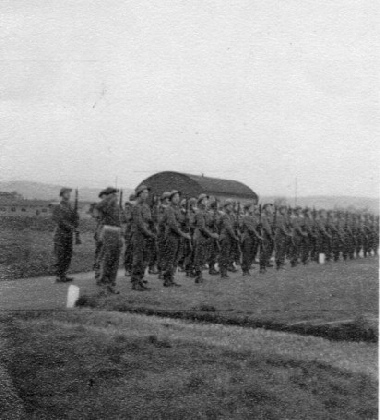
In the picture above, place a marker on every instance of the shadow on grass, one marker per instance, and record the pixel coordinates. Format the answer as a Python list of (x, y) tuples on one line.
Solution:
[(358, 330)]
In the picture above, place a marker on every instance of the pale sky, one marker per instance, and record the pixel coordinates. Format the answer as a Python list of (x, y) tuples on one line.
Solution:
[(257, 91)]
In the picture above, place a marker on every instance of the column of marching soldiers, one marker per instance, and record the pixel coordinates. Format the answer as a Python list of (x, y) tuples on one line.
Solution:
[(163, 234)]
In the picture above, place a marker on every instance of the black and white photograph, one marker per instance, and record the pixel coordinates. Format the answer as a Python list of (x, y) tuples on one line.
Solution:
[(189, 209)]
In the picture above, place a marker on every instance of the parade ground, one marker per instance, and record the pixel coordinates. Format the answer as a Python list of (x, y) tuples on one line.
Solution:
[(314, 293)]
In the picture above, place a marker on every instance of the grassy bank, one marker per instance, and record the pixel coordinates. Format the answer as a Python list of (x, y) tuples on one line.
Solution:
[(86, 365)]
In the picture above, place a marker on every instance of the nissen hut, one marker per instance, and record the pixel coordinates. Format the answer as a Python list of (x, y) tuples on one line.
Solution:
[(193, 185)]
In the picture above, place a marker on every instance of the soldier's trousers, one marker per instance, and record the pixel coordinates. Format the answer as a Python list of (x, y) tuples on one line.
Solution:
[(225, 254), (214, 252), (336, 246), (326, 247), (152, 253), (294, 250), (304, 249), (98, 249), (110, 255), (63, 250), (314, 245), (266, 251), (247, 250), (348, 247), (200, 255), (128, 254), (280, 250), (140, 258), (172, 254)]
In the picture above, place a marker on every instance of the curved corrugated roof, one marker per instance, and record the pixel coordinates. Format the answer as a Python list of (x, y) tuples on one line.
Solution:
[(222, 186), (195, 184)]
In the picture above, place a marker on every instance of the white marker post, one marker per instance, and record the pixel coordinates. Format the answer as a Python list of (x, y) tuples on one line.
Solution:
[(322, 258), (72, 296)]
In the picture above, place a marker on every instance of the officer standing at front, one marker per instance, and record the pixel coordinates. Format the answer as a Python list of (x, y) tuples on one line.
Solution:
[(67, 223)]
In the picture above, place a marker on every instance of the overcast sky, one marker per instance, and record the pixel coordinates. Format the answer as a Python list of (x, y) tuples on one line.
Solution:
[(258, 91)]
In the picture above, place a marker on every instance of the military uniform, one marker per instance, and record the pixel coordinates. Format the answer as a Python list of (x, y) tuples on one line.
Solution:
[(111, 241), (201, 241), (227, 239), (267, 243), (67, 222), (280, 238), (173, 236), (249, 238), (140, 236)]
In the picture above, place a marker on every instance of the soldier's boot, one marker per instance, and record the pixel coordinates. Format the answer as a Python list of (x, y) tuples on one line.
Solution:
[(199, 278), (231, 268), (112, 290), (246, 273), (223, 273), (213, 272)]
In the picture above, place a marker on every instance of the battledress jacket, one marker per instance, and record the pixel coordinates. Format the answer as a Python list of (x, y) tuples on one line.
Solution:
[(66, 219)]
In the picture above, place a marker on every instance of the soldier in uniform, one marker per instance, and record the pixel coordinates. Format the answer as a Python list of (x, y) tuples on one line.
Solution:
[(227, 237), (141, 220), (173, 239), (250, 235), (306, 227), (67, 223), (98, 243), (337, 235), (128, 251), (298, 235), (281, 234), (111, 217), (267, 243), (161, 232), (212, 222), (201, 237)]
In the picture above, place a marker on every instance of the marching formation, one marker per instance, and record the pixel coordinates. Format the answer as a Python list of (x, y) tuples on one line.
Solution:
[(163, 234)]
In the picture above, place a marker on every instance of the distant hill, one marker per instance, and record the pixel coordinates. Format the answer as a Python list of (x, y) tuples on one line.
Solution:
[(40, 191), (330, 202)]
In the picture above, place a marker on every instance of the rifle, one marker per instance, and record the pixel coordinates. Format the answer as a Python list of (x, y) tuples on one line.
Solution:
[(77, 235)]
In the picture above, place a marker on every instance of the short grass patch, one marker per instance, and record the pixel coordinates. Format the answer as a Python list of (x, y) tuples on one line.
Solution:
[(74, 366), (304, 300)]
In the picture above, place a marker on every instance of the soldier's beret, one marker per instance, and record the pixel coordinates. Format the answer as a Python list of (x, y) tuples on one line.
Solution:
[(192, 201), (202, 196), (165, 195), (174, 192), (140, 189), (132, 197), (108, 190), (63, 190)]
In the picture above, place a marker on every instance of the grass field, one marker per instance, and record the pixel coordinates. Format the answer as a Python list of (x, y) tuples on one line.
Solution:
[(97, 365), (315, 294), (26, 247)]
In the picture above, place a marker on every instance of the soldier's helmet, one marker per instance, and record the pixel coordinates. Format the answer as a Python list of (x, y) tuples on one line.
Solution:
[(64, 190), (165, 195), (192, 201), (140, 189)]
